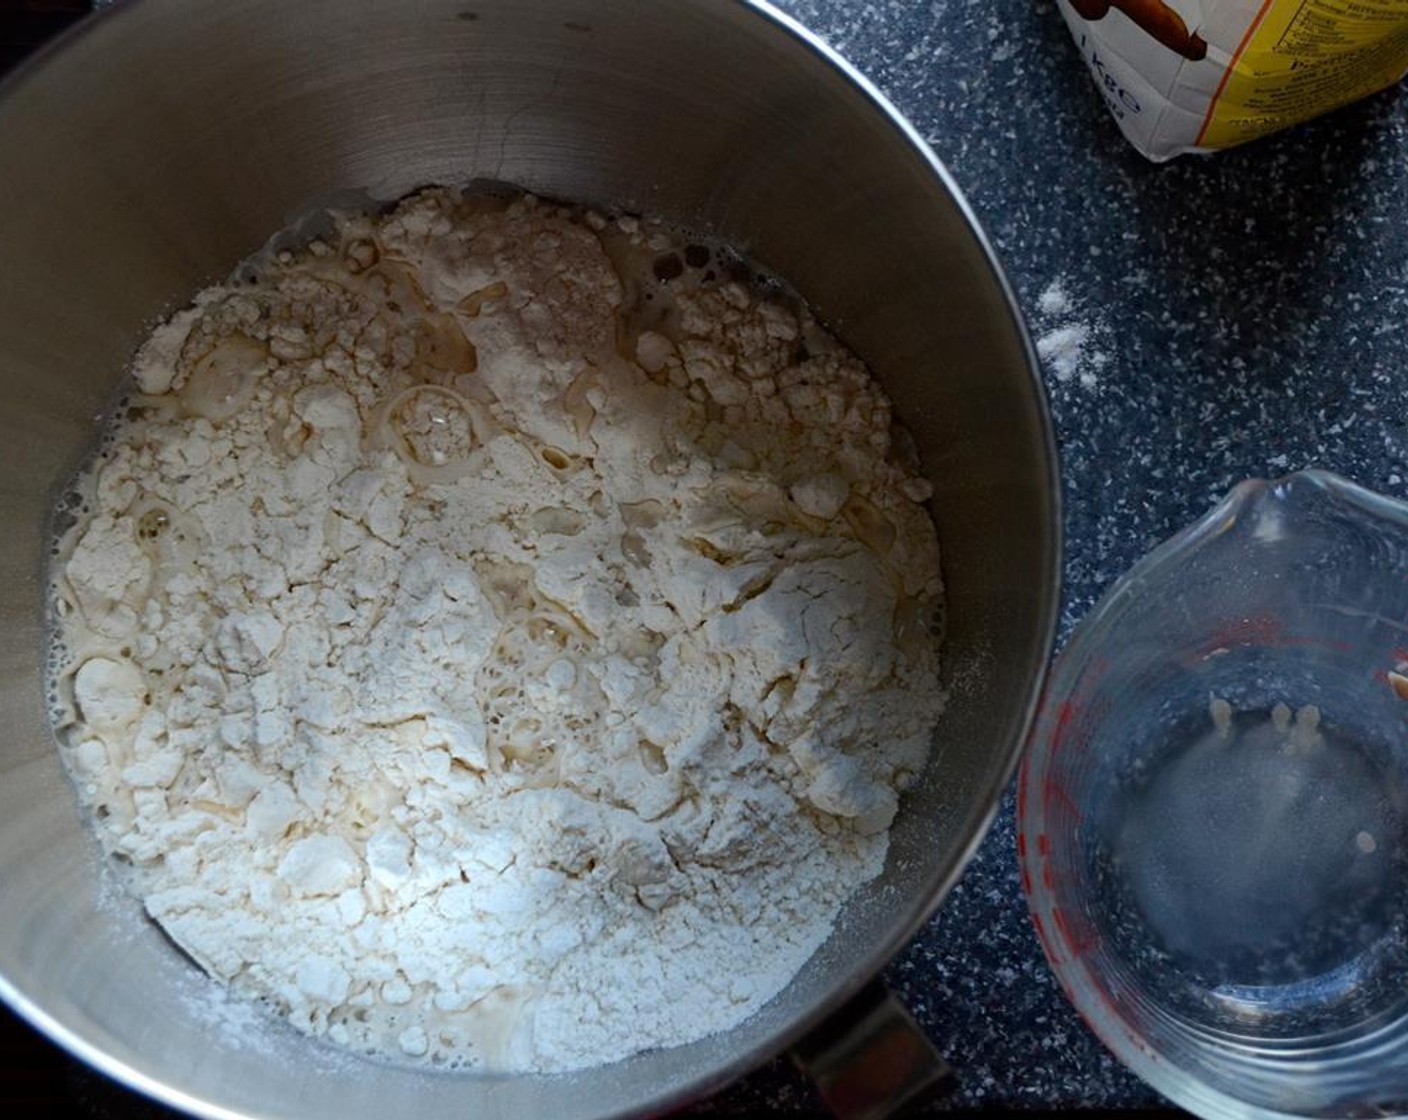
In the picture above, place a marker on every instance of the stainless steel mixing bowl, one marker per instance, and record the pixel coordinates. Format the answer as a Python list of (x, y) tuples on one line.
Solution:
[(163, 141)]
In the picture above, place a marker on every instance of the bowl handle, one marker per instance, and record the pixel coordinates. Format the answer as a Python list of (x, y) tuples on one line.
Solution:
[(870, 1059)]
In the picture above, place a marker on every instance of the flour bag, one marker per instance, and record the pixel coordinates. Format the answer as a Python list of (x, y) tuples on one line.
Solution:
[(1200, 75)]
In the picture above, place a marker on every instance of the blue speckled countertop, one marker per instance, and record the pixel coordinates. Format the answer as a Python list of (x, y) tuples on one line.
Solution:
[(1202, 322)]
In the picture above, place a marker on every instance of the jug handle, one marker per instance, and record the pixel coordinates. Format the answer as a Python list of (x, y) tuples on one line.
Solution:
[(870, 1059)]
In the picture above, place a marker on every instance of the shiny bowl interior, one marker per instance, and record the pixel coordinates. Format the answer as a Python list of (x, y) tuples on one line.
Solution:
[(164, 140)]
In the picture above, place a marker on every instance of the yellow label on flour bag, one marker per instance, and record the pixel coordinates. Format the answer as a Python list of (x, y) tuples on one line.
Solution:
[(1197, 75)]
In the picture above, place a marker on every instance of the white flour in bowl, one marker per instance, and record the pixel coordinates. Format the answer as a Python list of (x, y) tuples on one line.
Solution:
[(497, 637)]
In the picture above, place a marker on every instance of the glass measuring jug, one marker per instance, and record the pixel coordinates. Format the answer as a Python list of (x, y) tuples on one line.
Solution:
[(1213, 809)]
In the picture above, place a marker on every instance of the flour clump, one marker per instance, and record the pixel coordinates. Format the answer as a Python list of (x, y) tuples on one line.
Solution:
[(497, 635)]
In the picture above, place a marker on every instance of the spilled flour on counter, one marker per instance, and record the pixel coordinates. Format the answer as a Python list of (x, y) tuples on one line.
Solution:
[(1068, 344), (496, 637)]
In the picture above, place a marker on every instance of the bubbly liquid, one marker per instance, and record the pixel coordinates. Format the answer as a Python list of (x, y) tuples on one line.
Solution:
[(1260, 850)]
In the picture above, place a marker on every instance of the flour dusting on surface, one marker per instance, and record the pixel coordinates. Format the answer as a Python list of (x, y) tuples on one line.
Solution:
[(498, 637), (1069, 342)]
